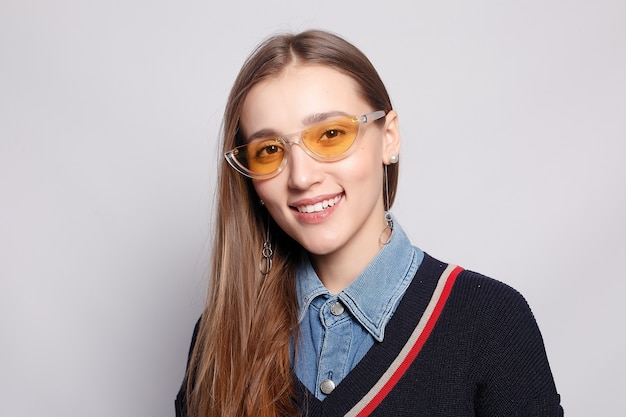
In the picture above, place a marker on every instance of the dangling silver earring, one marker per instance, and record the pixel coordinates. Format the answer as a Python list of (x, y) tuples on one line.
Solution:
[(388, 217), (265, 266)]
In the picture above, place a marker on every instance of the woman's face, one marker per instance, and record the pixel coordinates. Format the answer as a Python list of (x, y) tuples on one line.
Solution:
[(345, 213)]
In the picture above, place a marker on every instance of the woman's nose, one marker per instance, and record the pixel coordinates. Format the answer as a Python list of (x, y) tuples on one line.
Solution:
[(303, 170)]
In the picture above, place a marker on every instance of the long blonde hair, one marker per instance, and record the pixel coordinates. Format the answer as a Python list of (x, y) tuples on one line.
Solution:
[(240, 364)]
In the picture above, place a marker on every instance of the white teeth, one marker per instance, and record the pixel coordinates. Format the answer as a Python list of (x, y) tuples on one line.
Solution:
[(314, 208)]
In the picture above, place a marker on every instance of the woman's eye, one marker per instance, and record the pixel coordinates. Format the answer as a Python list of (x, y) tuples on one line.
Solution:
[(331, 134), (268, 150)]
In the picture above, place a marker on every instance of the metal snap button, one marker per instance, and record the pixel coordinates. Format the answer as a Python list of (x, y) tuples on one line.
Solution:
[(337, 308), (327, 386)]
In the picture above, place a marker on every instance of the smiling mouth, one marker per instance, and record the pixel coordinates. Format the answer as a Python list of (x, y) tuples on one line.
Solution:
[(323, 205)]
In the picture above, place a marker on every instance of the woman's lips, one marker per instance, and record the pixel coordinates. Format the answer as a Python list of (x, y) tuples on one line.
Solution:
[(319, 206), (317, 210)]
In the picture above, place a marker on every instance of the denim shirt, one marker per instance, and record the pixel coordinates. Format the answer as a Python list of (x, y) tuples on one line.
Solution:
[(336, 331)]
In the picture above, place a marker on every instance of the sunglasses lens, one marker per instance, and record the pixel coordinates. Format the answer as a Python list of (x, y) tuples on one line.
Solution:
[(331, 138), (262, 157)]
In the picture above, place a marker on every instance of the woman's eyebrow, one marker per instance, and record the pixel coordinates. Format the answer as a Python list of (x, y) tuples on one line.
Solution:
[(310, 120), (262, 134), (320, 117)]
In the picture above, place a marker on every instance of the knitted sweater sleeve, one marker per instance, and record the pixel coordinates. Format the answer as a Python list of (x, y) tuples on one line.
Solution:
[(511, 370)]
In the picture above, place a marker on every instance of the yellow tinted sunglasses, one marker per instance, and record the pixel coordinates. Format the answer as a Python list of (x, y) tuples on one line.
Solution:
[(330, 140)]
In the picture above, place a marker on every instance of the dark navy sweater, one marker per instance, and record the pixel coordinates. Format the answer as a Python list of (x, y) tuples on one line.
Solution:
[(477, 351)]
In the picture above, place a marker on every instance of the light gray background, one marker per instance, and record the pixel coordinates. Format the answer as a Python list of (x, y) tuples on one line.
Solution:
[(513, 120)]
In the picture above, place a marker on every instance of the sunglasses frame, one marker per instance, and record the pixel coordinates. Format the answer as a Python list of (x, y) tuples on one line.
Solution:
[(233, 162)]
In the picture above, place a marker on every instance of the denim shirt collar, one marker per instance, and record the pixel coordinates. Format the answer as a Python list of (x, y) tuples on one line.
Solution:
[(374, 294)]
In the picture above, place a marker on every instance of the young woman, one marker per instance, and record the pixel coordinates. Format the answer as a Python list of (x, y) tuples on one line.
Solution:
[(318, 303)]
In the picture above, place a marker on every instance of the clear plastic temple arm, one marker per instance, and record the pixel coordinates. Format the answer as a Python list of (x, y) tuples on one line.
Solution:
[(370, 117)]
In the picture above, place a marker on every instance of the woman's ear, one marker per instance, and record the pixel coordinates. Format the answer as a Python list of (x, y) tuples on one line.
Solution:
[(391, 138)]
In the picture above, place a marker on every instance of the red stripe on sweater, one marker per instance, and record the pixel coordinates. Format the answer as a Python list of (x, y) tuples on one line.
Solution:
[(419, 343)]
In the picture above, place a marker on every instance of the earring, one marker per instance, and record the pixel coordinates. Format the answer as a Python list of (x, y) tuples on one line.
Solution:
[(393, 159), (388, 217), (265, 266)]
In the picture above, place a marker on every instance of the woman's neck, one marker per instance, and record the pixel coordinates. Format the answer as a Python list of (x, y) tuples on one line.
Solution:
[(340, 268)]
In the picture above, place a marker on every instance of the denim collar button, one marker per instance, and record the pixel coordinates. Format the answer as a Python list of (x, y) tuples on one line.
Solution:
[(337, 308)]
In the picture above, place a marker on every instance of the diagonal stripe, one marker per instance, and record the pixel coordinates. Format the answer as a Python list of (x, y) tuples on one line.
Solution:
[(411, 349)]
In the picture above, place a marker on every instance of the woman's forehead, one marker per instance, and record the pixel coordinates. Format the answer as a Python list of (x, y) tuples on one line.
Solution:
[(288, 100)]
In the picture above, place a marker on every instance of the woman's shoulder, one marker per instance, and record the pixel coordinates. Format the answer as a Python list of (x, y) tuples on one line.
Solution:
[(476, 284), (492, 306), (486, 296)]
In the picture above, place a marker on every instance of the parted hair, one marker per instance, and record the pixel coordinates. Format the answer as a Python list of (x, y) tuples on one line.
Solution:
[(240, 365)]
